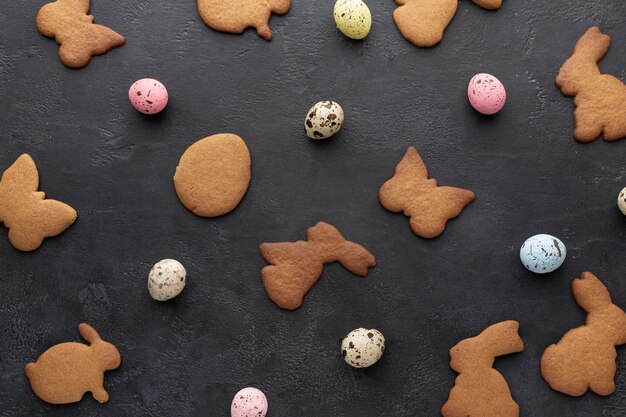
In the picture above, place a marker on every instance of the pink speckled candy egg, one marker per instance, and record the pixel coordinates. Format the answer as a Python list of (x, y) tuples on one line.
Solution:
[(249, 402), (148, 96), (486, 93)]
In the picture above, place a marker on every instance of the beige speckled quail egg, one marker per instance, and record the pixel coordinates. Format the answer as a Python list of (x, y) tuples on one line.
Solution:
[(363, 347), (323, 120), (166, 279), (353, 18), (621, 201)]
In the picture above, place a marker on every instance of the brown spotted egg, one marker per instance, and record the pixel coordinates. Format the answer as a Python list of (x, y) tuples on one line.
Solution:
[(621, 201), (323, 120), (363, 347), (166, 279)]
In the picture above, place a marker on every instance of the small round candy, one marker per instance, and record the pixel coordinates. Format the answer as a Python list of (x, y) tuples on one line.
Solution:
[(166, 279), (543, 254), (363, 347), (621, 201), (249, 402), (323, 120), (486, 94), (148, 96), (353, 18)]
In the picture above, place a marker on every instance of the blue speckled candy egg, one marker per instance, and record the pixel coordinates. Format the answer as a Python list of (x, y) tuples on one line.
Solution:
[(543, 254)]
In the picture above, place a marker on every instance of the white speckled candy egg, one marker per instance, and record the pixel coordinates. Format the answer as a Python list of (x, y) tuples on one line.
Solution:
[(166, 279), (486, 94), (543, 254), (621, 201), (353, 18), (249, 402), (363, 347), (323, 120)]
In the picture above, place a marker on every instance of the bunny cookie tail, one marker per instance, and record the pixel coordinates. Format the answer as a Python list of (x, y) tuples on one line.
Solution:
[(30, 370)]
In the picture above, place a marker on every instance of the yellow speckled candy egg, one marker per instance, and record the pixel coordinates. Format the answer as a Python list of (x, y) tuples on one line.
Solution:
[(353, 18)]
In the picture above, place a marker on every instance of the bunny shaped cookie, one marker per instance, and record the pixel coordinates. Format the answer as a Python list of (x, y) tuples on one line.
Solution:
[(65, 372), (295, 267), (422, 22), (600, 99), (235, 16), (585, 356), (480, 390), (80, 38)]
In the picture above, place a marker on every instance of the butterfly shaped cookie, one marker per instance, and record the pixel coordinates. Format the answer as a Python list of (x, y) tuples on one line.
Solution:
[(25, 211), (428, 205), (80, 38)]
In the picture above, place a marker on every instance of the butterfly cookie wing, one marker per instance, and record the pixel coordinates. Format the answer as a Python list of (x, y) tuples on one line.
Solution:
[(42, 219), (410, 173), (22, 176), (91, 40), (431, 210)]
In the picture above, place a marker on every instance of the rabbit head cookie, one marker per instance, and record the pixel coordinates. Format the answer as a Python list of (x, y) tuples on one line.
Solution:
[(585, 356), (423, 22), (65, 372), (600, 99), (420, 198), (80, 38), (235, 16), (295, 267), (26, 212), (480, 390)]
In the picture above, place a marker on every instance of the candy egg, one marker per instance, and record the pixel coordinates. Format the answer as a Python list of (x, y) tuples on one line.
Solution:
[(543, 254), (353, 18), (323, 120), (166, 279), (363, 347), (249, 402), (621, 201), (486, 94), (148, 96)]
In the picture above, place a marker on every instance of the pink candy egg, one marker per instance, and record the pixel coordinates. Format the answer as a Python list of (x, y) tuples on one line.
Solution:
[(249, 402), (148, 96), (486, 94)]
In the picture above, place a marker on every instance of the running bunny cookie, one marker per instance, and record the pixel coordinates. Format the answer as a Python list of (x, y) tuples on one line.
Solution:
[(65, 372), (420, 198), (422, 22), (26, 212), (585, 356), (600, 99), (80, 38), (235, 16), (295, 267), (480, 390)]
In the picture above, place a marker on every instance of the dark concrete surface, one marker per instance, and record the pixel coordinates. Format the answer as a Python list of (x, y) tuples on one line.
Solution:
[(188, 357)]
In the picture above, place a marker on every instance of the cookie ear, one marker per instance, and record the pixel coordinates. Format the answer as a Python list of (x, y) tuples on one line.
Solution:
[(88, 333), (590, 294)]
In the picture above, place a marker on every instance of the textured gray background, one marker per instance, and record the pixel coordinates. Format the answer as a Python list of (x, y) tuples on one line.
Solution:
[(188, 357)]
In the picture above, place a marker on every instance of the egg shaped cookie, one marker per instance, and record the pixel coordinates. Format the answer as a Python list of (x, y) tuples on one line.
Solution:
[(213, 175)]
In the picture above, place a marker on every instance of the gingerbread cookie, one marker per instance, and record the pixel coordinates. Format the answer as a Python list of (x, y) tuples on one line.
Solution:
[(480, 390), (295, 267), (428, 205), (600, 99), (213, 175), (585, 356), (422, 22), (235, 16), (65, 372), (26, 212), (80, 38)]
